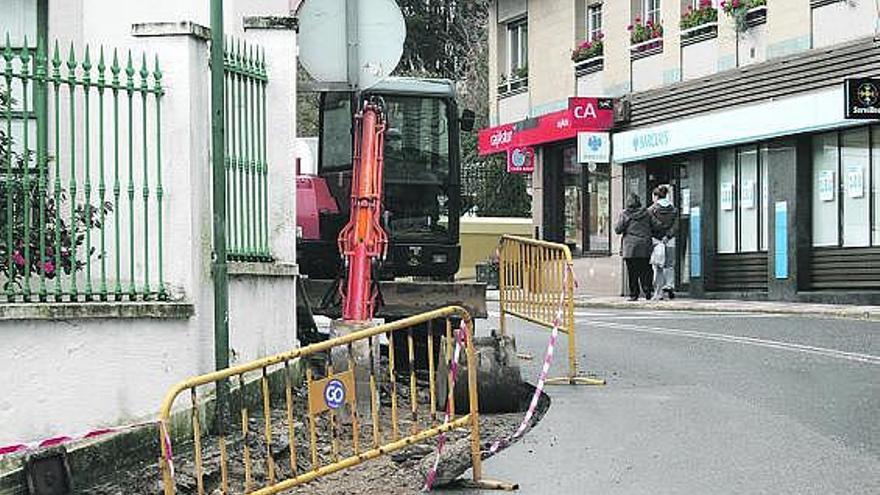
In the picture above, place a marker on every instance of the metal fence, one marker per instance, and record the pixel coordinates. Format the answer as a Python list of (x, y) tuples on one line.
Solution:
[(80, 176), (247, 198), (536, 284), (326, 418)]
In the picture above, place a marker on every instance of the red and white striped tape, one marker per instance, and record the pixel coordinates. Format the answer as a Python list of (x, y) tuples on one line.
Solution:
[(539, 388), (460, 338), (63, 439)]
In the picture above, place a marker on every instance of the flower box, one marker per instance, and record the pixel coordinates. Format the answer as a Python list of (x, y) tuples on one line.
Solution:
[(746, 13), (700, 23), (588, 49), (589, 65)]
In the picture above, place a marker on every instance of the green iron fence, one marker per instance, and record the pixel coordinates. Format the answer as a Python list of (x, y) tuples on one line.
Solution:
[(247, 203), (80, 176)]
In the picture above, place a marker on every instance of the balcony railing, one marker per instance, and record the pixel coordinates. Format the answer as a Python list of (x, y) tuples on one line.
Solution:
[(589, 65), (513, 85), (699, 33), (646, 48)]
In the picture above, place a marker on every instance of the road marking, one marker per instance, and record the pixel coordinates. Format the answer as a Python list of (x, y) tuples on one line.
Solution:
[(735, 339)]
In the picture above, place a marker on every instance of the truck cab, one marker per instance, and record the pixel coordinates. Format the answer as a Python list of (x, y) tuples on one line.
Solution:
[(421, 186)]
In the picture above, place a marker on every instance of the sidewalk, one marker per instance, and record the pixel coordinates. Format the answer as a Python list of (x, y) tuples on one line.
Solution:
[(871, 313), (599, 288)]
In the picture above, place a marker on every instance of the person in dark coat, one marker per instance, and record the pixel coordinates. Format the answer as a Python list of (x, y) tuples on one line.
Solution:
[(634, 224), (664, 220)]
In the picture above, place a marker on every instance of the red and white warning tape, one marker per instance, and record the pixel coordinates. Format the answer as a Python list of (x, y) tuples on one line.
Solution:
[(460, 339), (62, 439), (539, 388)]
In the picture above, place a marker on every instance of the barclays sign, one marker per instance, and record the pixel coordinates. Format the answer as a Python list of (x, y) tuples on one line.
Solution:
[(650, 140)]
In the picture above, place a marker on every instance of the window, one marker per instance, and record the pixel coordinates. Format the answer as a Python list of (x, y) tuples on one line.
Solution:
[(652, 11), (594, 21), (743, 200), (417, 177), (726, 213), (846, 170), (599, 204), (518, 49)]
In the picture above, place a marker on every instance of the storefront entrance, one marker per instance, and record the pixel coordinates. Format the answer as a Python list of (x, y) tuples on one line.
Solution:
[(577, 201)]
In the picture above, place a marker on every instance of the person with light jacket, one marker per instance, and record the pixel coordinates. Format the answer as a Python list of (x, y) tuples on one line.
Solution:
[(634, 224), (664, 221)]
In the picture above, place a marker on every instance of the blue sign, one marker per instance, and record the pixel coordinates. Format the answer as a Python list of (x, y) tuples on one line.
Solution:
[(334, 394), (696, 243), (595, 142), (781, 238)]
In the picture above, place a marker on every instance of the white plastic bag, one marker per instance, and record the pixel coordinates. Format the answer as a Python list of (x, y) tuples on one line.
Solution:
[(658, 254)]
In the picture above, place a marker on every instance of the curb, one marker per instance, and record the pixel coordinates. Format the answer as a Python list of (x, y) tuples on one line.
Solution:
[(854, 312)]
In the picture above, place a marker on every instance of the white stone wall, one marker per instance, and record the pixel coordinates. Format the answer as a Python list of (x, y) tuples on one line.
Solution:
[(67, 376)]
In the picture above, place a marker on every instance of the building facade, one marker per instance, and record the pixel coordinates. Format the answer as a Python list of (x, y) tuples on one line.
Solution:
[(740, 109)]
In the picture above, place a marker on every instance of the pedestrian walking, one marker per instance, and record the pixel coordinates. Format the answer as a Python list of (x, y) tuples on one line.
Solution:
[(634, 225), (664, 225)]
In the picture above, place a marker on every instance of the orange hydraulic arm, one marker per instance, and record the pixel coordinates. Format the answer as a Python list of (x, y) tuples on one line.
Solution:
[(363, 242)]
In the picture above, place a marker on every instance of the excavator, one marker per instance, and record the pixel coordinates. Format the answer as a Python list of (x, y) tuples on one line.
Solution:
[(378, 224)]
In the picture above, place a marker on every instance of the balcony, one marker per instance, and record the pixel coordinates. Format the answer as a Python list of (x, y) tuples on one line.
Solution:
[(514, 83)]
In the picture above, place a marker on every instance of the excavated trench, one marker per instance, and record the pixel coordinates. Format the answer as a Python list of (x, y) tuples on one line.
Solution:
[(504, 398)]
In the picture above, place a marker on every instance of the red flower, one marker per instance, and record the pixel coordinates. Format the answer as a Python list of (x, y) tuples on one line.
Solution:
[(17, 258), (629, 28)]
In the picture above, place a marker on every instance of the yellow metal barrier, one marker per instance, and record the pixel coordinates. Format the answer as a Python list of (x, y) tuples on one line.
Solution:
[(536, 284), (330, 397)]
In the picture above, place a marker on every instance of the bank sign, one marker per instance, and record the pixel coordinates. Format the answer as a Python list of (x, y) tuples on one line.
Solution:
[(521, 160), (862, 98), (582, 114)]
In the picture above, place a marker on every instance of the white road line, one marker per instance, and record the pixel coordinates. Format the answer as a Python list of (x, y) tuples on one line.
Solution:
[(734, 339)]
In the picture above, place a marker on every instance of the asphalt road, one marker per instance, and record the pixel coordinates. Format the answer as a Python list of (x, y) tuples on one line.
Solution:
[(705, 404)]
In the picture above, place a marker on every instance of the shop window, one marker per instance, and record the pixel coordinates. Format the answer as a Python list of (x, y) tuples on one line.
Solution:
[(854, 176), (573, 199), (742, 200), (765, 158), (845, 189), (726, 211), (875, 185), (599, 194), (747, 201), (825, 209)]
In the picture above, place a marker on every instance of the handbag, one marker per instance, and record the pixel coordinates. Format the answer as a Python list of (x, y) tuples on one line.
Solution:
[(658, 254)]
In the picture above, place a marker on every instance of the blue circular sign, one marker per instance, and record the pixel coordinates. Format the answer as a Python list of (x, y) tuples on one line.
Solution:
[(334, 394)]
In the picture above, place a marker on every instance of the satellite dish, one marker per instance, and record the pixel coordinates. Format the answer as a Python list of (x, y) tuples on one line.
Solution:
[(375, 30)]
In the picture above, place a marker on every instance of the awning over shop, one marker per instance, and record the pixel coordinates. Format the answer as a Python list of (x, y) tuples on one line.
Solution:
[(582, 114)]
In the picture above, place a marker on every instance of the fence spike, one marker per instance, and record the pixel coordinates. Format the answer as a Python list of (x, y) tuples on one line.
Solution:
[(7, 50), (87, 63), (157, 76), (129, 71), (144, 73), (25, 55), (101, 68), (71, 60), (56, 60), (114, 68)]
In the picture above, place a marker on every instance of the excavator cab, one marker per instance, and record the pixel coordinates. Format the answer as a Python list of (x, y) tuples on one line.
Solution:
[(421, 179)]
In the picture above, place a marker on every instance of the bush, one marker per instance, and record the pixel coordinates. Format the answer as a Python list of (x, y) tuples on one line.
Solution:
[(30, 213)]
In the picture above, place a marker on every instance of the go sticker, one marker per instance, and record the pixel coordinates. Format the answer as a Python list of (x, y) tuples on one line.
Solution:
[(334, 394)]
